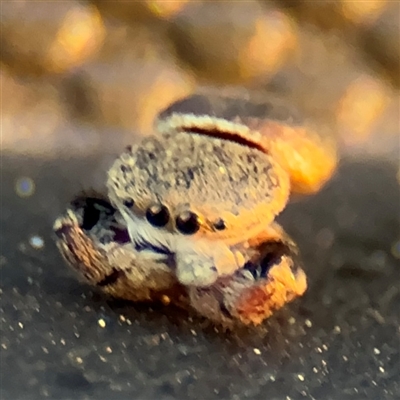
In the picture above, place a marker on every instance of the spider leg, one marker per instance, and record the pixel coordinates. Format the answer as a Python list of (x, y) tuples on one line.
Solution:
[(272, 278), (102, 254)]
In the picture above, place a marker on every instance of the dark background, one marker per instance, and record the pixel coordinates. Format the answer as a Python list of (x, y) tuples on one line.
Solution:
[(72, 98)]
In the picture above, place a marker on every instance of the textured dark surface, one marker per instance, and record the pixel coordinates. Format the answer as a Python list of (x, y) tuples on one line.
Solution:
[(61, 340)]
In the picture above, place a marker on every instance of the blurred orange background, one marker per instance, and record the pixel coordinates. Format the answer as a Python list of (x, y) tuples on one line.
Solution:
[(78, 77)]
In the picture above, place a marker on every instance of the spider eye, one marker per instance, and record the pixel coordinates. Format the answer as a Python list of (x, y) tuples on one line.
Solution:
[(219, 224), (157, 215), (128, 203), (188, 223)]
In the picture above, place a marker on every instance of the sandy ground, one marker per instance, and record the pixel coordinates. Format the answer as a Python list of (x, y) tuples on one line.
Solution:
[(61, 340)]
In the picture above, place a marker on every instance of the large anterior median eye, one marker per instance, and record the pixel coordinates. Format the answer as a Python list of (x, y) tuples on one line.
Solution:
[(157, 215), (187, 223)]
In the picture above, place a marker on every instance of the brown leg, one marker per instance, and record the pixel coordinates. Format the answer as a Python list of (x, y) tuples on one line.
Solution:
[(98, 248), (265, 284)]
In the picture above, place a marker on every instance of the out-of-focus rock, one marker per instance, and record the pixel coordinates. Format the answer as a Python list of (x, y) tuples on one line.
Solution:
[(132, 78), (369, 26), (329, 82), (126, 94), (35, 122), (380, 41), (362, 12), (316, 78), (165, 9), (335, 14), (115, 74), (382, 139), (49, 37), (232, 42), (31, 112), (140, 11), (131, 43), (363, 102)]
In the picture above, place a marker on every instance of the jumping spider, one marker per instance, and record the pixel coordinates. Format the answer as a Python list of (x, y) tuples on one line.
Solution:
[(190, 211)]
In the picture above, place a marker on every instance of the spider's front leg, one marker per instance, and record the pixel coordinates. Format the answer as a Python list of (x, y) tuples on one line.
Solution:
[(97, 246), (271, 278)]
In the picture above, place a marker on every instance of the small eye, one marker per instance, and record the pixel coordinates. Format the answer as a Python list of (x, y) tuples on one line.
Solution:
[(219, 224), (157, 215), (188, 223), (128, 203)]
